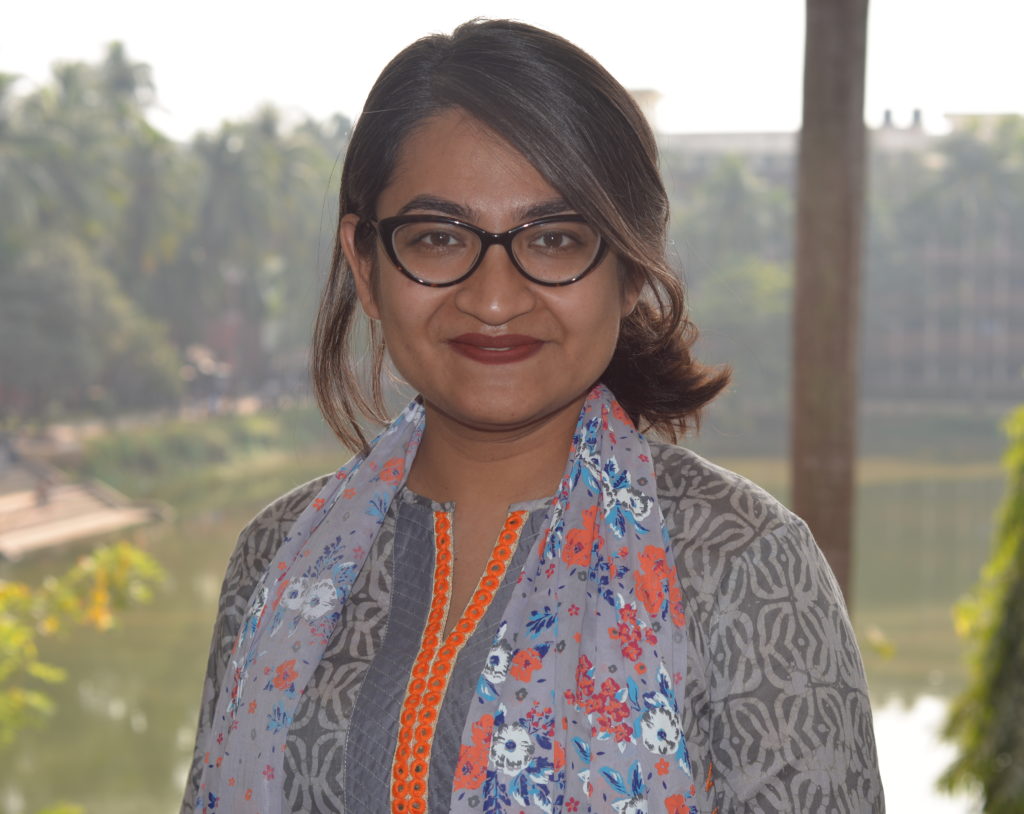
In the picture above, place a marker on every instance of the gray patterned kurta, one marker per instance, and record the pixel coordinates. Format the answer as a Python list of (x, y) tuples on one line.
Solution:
[(775, 708)]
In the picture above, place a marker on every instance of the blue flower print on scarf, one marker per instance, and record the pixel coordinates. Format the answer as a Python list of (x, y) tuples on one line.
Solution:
[(634, 800), (518, 768), (659, 723), (621, 501)]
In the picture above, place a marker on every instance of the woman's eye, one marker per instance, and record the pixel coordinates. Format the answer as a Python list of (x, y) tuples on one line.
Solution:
[(554, 241), (435, 240), (430, 240), (439, 239)]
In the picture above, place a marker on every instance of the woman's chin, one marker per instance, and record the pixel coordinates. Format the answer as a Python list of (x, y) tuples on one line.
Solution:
[(509, 415)]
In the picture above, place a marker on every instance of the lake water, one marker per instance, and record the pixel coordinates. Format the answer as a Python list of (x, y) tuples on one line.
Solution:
[(122, 739)]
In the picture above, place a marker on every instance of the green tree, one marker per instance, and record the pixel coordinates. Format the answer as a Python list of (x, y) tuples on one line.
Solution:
[(259, 235), (27, 185), (219, 241), (69, 337), (987, 721), (733, 227), (729, 214), (743, 310)]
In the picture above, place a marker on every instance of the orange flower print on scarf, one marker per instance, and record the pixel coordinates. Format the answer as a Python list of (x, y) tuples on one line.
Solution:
[(471, 770), (656, 574), (653, 561), (524, 663), (675, 604), (392, 470), (285, 675), (580, 542), (630, 635), (619, 413), (558, 760), (651, 579), (676, 804)]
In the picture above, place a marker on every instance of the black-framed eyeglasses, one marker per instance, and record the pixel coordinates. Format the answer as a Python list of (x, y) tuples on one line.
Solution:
[(437, 251)]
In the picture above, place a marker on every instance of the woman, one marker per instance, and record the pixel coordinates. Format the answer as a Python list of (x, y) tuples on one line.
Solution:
[(511, 600)]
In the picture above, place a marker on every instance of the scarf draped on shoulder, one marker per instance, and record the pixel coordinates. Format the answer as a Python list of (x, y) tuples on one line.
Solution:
[(591, 723)]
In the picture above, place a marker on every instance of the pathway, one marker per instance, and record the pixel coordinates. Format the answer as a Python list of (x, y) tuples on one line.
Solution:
[(30, 521)]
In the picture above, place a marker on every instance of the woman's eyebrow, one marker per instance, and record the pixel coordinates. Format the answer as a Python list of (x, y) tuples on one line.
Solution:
[(541, 209), (556, 206), (449, 208)]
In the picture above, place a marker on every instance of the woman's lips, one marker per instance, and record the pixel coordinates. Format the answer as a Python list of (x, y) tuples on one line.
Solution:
[(496, 350)]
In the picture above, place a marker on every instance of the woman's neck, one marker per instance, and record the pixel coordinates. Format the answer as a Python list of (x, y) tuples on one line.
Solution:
[(464, 464)]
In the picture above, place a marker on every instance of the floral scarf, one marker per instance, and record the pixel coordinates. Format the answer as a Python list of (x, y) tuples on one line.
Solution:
[(592, 724)]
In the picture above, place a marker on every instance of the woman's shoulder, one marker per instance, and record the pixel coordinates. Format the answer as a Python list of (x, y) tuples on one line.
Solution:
[(724, 528), (768, 633), (285, 509), (703, 500), (261, 537)]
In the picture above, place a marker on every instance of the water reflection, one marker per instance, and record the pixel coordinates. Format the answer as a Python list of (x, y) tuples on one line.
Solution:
[(904, 730), (920, 547)]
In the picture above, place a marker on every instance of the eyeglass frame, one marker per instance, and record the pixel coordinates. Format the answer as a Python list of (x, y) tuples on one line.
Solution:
[(386, 227)]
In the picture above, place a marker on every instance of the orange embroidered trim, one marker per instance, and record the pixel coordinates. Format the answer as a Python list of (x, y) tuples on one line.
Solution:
[(433, 665), (710, 781)]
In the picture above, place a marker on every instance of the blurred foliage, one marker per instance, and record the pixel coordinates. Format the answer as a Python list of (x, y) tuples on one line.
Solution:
[(142, 460), (987, 721), (86, 340), (743, 311), (731, 234), (120, 249), (88, 595)]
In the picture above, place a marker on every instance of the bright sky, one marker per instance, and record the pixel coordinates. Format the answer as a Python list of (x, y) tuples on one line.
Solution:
[(720, 65)]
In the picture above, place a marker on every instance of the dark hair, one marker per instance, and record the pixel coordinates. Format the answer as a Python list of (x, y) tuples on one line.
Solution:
[(587, 137)]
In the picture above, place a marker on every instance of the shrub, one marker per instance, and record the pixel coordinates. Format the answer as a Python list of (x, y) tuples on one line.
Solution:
[(987, 720)]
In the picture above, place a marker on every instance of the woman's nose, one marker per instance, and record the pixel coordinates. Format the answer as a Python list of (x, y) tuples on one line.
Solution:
[(496, 292)]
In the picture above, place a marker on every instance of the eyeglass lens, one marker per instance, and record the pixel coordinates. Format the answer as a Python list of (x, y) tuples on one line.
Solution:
[(552, 252)]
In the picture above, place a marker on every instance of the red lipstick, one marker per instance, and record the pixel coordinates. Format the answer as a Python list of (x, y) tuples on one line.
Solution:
[(496, 350)]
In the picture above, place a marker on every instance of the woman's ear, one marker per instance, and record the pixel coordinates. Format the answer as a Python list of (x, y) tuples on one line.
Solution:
[(361, 264), (632, 288)]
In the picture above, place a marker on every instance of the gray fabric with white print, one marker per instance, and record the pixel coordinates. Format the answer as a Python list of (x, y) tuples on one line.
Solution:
[(775, 710)]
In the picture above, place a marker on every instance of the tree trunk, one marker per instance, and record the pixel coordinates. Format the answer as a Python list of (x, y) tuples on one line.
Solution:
[(830, 203)]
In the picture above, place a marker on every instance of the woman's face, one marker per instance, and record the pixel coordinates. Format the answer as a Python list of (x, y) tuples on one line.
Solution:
[(496, 351)]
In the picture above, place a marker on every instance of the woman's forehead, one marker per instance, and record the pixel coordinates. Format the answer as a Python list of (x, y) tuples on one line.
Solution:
[(452, 157)]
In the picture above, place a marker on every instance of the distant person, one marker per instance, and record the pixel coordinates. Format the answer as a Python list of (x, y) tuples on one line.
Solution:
[(8, 456), (44, 483), (42, 492), (511, 600)]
